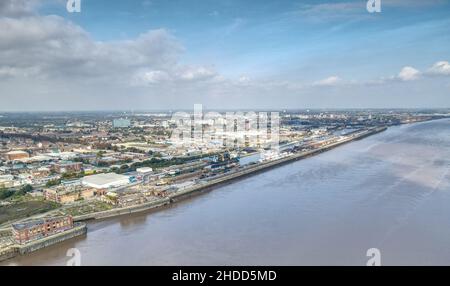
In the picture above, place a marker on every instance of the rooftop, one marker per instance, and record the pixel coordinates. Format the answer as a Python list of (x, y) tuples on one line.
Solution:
[(103, 179), (16, 152), (32, 223)]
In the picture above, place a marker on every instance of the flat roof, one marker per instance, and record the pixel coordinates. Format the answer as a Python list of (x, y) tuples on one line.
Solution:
[(24, 225), (104, 179), (16, 152), (144, 169), (33, 223)]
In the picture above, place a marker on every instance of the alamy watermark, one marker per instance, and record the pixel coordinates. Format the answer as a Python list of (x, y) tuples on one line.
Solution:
[(375, 257), (73, 6), (373, 6), (75, 257), (232, 130)]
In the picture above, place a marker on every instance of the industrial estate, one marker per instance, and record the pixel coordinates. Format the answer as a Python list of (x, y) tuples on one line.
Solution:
[(59, 170)]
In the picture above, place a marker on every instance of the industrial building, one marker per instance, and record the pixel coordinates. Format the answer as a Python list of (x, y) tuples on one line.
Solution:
[(16, 155), (36, 229), (6, 181), (67, 167), (65, 195), (106, 181), (121, 123)]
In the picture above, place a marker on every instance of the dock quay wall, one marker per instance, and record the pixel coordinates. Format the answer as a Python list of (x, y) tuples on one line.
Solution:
[(22, 249), (6, 232), (123, 211), (7, 253), (56, 238)]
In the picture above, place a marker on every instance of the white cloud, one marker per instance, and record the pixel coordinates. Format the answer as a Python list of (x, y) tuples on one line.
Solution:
[(408, 73), (49, 62), (177, 74), (7, 72), (244, 79), (17, 8), (440, 68), (150, 77), (57, 48), (329, 81), (196, 73)]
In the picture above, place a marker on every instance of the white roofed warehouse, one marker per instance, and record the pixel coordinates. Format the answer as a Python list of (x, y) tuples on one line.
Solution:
[(17, 155), (106, 181)]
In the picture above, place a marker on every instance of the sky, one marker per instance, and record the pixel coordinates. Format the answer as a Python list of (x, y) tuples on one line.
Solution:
[(227, 54)]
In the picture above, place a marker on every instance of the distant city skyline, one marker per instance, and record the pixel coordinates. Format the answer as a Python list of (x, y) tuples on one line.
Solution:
[(169, 55)]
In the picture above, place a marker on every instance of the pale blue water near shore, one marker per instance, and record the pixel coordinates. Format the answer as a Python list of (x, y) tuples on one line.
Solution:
[(390, 191)]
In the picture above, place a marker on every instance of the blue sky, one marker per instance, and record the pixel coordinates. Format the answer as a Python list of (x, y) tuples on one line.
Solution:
[(302, 48), (249, 36)]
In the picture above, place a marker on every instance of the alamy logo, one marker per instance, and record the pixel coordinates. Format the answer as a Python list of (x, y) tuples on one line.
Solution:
[(234, 130), (75, 255), (375, 257), (73, 6), (374, 6)]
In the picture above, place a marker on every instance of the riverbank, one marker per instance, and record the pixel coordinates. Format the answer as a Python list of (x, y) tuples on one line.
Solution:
[(222, 180), (15, 249)]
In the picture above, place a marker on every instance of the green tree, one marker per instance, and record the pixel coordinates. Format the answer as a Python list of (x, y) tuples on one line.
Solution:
[(52, 183), (5, 193), (24, 190)]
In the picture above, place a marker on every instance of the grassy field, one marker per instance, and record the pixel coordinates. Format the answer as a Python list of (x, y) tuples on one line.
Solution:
[(91, 207), (24, 209)]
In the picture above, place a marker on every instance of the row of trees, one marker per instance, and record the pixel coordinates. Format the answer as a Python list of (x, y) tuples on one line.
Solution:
[(7, 193)]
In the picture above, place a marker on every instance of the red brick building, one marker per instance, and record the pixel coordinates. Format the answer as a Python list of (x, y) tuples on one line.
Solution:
[(68, 167), (41, 228)]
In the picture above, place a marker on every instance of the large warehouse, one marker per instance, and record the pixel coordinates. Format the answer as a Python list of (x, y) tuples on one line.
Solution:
[(16, 155), (105, 181)]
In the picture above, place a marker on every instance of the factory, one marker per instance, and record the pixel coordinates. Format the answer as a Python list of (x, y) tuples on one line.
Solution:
[(121, 123), (16, 155), (40, 228), (106, 181)]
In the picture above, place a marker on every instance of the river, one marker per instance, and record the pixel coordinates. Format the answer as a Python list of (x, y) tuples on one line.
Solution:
[(389, 191)]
